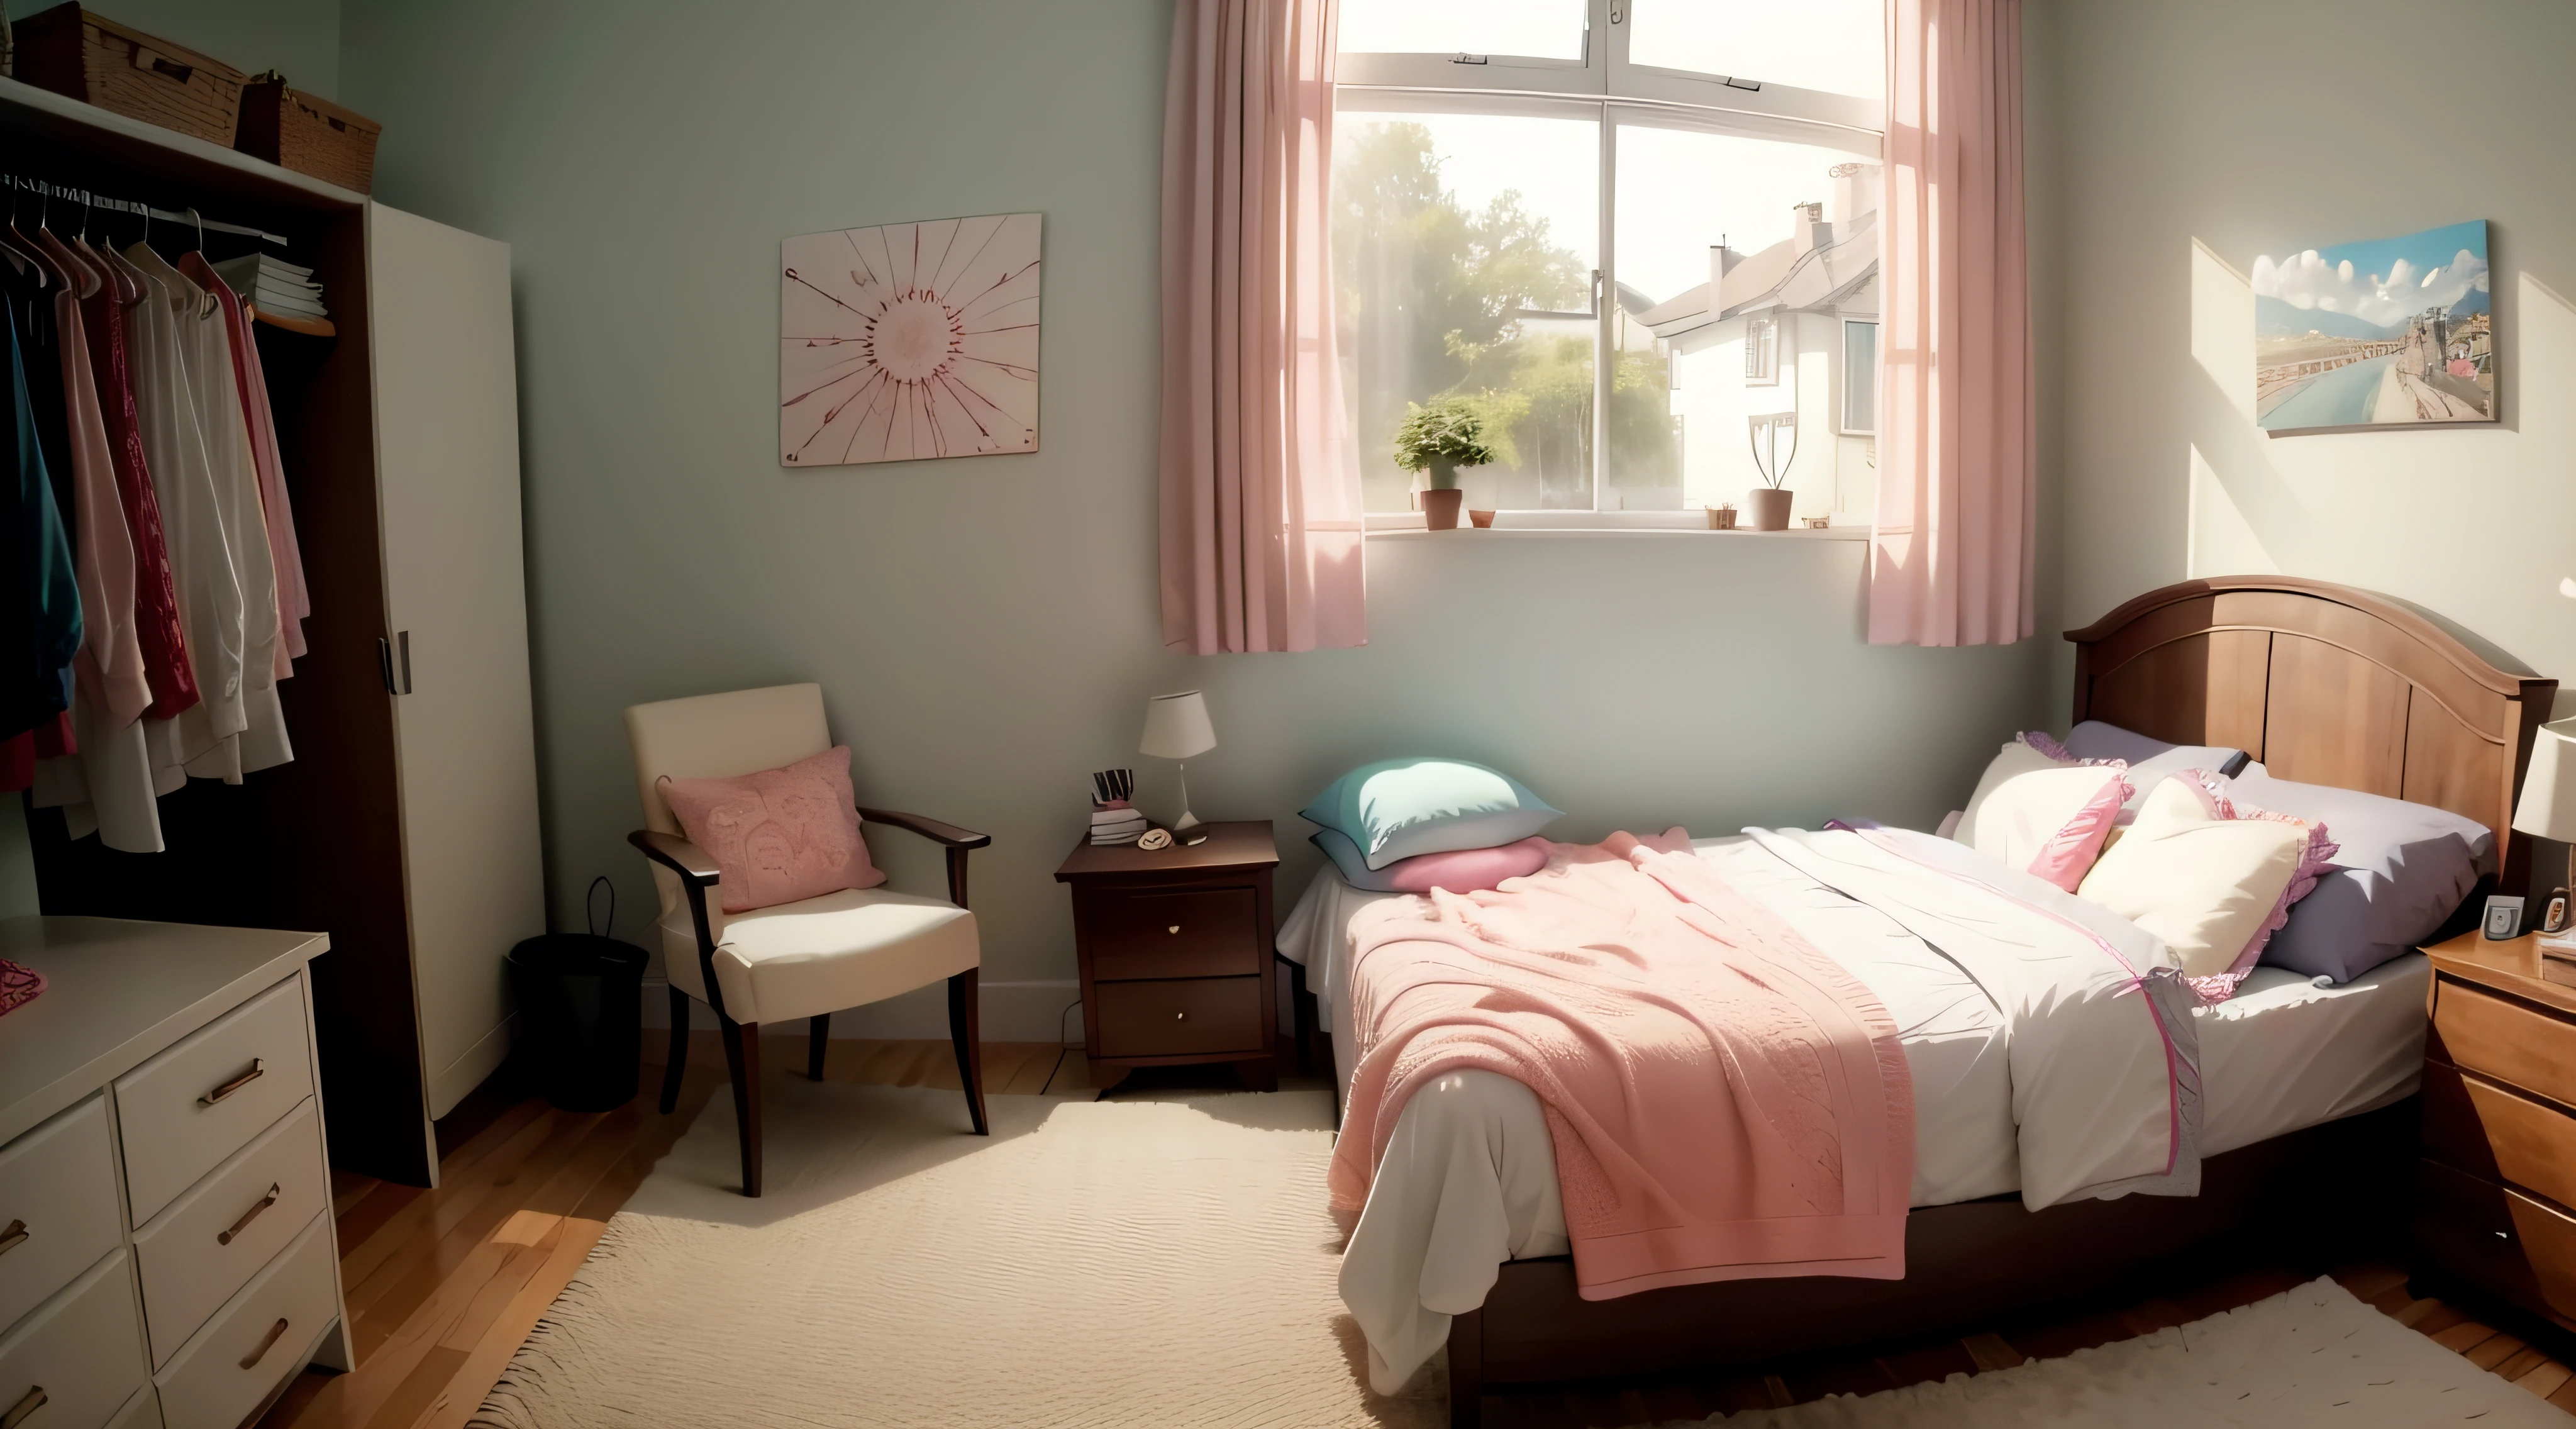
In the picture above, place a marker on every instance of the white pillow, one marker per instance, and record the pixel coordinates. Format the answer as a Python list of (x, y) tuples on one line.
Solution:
[(2037, 812), (2212, 879)]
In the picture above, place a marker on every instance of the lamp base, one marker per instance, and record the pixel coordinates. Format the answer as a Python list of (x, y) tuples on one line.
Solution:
[(1186, 822)]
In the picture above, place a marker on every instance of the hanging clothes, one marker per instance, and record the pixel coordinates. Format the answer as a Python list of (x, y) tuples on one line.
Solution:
[(294, 598), (206, 351), (40, 618), (30, 296), (156, 595), (192, 511), (107, 787)]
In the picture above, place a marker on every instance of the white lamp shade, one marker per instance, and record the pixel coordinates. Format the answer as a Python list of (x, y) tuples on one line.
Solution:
[(1177, 727), (2548, 805)]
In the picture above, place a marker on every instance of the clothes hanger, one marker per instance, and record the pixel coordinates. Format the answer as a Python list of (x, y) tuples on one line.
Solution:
[(9, 239)]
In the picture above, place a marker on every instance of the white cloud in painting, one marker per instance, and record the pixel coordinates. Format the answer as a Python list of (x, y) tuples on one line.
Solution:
[(2304, 280)]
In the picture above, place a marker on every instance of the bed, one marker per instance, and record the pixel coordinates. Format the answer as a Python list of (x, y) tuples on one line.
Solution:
[(2307, 1119)]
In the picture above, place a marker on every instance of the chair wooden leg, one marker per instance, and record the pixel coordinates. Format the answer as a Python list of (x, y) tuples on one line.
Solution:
[(678, 1061), (965, 1028), (818, 1034), (742, 1058)]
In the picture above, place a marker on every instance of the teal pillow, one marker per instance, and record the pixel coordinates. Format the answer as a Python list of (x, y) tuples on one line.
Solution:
[(1397, 808), (1347, 861)]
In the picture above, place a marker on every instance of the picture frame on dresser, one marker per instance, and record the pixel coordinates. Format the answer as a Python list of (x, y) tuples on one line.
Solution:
[(162, 1160)]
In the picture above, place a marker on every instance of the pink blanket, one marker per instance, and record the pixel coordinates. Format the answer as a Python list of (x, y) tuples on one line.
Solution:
[(1726, 1101)]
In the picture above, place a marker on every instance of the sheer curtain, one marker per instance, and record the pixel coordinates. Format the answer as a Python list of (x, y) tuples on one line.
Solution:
[(1952, 558), (1261, 512)]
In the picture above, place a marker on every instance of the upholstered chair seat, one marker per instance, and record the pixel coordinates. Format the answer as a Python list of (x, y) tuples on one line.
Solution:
[(844, 949)]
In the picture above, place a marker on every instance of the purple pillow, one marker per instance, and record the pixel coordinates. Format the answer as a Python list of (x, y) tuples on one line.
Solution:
[(2095, 740), (2402, 870)]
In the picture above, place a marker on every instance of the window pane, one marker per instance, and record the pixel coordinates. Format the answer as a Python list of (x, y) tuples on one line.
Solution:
[(1543, 29), (1860, 377), (1793, 231), (1839, 46), (1452, 233)]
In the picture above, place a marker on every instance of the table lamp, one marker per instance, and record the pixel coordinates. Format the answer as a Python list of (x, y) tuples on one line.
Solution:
[(1177, 727), (2548, 805)]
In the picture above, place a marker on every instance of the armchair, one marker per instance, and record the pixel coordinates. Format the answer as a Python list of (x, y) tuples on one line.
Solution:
[(805, 959)]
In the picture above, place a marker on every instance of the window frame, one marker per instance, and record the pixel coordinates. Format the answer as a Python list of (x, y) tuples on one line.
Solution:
[(1606, 87)]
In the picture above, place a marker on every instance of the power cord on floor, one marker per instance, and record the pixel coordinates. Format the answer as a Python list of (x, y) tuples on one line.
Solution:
[(1062, 1050)]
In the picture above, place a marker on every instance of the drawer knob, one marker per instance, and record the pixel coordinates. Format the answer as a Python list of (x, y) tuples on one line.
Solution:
[(14, 1237), (1180, 1017), (263, 1203), (258, 1068), (274, 1331), (28, 1403), (1173, 929)]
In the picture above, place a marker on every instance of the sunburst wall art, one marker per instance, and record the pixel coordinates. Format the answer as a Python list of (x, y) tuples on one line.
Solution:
[(908, 341)]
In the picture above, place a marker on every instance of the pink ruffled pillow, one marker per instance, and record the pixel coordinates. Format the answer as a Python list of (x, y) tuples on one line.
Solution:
[(780, 835), (2039, 809), (1468, 870)]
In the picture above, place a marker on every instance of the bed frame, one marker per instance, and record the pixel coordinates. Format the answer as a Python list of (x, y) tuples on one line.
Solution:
[(2326, 685)]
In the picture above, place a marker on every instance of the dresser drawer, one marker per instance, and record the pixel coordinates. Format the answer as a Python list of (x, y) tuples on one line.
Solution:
[(1179, 1018), (212, 1240), (243, 1353), (143, 1411), (2480, 1032), (205, 1098), (1203, 932), (80, 1351), (2499, 1240), (58, 1210), (2481, 1127)]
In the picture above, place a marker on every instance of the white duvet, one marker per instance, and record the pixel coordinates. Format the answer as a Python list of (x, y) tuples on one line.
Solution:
[(2080, 1103)]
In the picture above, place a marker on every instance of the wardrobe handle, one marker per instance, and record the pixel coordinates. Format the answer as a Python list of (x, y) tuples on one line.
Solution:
[(403, 639), (385, 660), (28, 1403)]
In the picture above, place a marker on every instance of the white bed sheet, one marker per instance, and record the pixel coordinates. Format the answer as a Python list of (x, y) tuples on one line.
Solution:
[(2282, 1055)]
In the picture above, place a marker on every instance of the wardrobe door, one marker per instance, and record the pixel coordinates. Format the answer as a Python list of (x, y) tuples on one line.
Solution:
[(447, 468)]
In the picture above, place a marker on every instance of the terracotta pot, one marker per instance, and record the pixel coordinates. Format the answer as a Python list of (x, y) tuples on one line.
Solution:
[(1440, 507), (1483, 519), (1769, 506)]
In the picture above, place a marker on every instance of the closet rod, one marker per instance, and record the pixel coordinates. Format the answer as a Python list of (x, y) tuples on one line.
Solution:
[(118, 205)]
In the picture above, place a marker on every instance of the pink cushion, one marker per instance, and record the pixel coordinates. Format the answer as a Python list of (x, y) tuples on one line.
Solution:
[(779, 835), (1468, 870), (2039, 809)]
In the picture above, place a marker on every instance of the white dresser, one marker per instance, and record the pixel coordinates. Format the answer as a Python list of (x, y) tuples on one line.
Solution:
[(167, 1255)]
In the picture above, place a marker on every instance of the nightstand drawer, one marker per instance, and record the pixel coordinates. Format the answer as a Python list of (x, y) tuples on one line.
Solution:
[(2477, 1126), (2480, 1032), (1179, 1018), (2466, 1223), (1201, 932)]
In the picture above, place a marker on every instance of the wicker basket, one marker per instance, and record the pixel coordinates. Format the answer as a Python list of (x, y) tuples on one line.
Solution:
[(70, 51), (307, 134)]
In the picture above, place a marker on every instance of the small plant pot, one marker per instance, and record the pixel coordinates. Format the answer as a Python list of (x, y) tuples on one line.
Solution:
[(1483, 520), (1770, 507), (1721, 518), (1440, 507)]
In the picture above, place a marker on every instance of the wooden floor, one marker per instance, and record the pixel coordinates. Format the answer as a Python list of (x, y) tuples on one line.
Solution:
[(444, 1285)]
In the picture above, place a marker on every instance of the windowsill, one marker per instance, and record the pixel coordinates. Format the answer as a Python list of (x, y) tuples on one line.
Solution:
[(1409, 524)]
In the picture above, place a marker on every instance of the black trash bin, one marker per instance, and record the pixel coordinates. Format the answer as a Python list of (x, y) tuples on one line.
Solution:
[(581, 1016)]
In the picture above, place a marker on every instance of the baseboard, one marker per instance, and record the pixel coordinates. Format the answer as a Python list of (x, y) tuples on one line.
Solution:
[(1031, 1011), (454, 1082)]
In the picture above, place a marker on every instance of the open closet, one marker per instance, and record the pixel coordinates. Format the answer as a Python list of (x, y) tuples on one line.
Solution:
[(405, 825)]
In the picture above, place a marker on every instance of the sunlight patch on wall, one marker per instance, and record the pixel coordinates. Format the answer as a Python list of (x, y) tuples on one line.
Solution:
[(2219, 541), (2222, 326)]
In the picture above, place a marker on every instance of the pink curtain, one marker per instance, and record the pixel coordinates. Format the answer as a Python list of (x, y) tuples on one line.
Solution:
[(1261, 520), (1951, 561)]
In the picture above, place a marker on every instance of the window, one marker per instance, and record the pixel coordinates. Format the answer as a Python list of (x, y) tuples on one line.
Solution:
[(1860, 377), (1581, 219)]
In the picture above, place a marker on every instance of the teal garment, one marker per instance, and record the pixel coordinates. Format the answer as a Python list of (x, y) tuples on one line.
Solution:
[(40, 614), (1397, 808)]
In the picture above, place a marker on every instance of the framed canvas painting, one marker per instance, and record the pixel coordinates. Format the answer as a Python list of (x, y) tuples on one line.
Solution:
[(909, 340), (2390, 332)]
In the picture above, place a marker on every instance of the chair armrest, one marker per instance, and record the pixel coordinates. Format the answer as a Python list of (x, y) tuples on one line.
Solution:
[(931, 829), (678, 855)]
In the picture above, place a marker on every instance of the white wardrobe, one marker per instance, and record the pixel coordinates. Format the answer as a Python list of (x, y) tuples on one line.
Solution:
[(407, 825)]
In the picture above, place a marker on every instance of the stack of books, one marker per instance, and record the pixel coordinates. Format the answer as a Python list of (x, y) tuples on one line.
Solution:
[(1113, 819), (274, 286)]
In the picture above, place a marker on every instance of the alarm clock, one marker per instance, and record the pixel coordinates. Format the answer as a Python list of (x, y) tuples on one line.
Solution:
[(2504, 918)]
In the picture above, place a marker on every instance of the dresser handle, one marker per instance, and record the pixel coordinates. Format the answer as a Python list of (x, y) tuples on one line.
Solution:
[(250, 1215), (255, 1356), (1173, 929), (14, 1237), (1180, 1017), (28, 1403), (257, 1069)]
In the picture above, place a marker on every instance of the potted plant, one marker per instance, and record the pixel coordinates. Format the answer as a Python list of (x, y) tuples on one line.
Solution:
[(1439, 439), (1770, 502)]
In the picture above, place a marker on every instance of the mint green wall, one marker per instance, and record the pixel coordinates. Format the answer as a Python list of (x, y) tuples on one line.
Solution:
[(985, 628), (300, 38)]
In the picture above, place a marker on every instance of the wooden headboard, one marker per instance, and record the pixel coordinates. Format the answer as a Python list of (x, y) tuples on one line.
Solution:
[(2324, 684)]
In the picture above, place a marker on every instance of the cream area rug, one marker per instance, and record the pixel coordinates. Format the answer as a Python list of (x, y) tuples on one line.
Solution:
[(1091, 1263), (2310, 1356)]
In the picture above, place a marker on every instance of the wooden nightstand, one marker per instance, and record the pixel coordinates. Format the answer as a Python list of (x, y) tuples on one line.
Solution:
[(2495, 1191), (1175, 952)]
